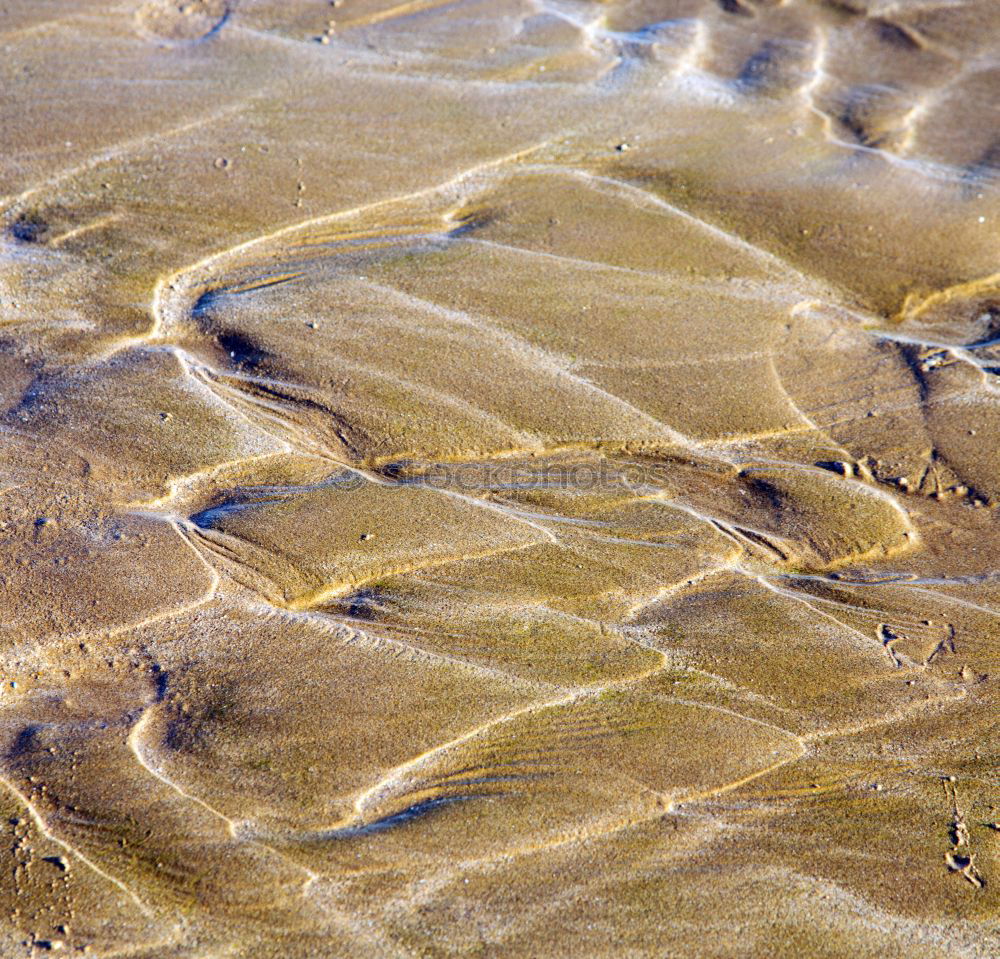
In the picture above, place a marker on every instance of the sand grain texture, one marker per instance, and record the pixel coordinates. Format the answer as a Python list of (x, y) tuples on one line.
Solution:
[(504, 478)]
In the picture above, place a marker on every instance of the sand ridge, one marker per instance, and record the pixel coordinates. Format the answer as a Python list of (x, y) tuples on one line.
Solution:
[(500, 478)]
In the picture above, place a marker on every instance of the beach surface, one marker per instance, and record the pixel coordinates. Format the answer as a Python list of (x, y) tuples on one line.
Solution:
[(511, 478)]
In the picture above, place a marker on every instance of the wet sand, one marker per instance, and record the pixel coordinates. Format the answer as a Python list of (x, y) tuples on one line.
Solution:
[(510, 478)]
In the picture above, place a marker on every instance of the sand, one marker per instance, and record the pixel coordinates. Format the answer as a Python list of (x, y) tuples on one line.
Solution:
[(499, 478)]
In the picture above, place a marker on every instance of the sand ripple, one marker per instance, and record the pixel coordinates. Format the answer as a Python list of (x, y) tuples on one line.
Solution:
[(505, 478)]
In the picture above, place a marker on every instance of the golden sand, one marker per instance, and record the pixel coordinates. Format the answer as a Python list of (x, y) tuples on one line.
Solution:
[(499, 478)]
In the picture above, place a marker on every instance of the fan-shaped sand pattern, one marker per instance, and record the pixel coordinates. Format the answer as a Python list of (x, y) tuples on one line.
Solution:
[(499, 478)]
